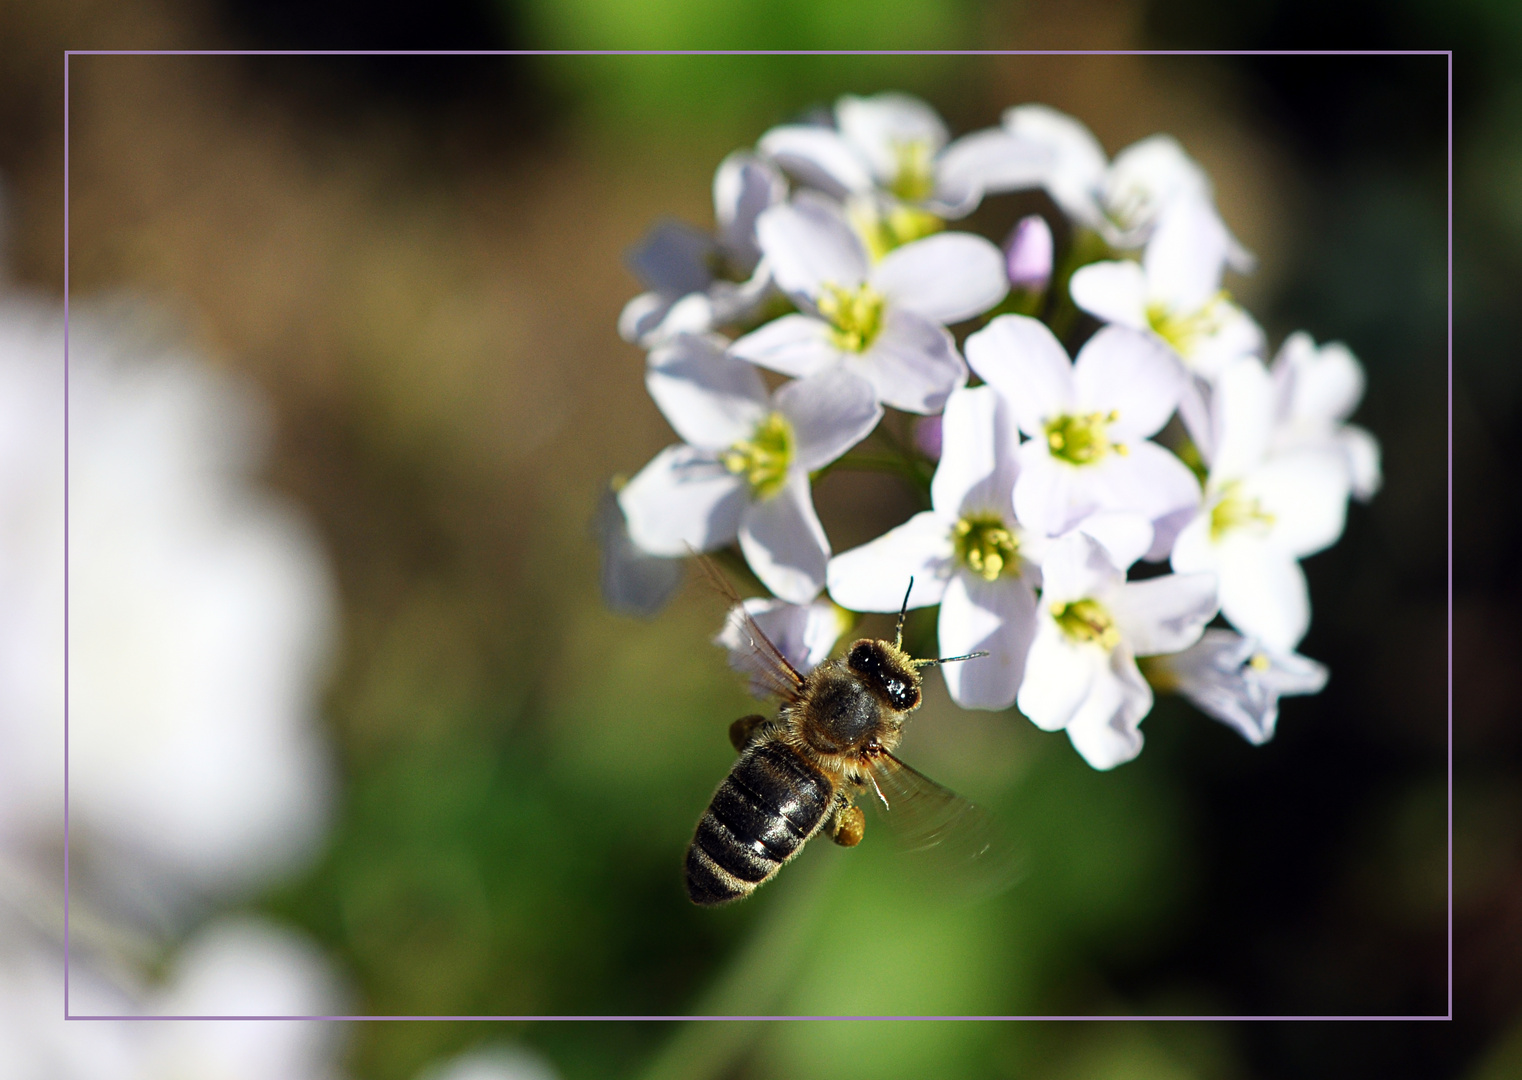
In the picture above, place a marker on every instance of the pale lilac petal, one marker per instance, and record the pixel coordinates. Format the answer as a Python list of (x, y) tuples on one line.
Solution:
[(998, 617), (784, 543), (992, 161), (830, 412), (876, 126), (1146, 180), (1114, 292), (1362, 452), (1129, 373), (873, 577), (1194, 409), (1306, 493), (1076, 163), (1029, 253), (683, 499), (674, 259), (1021, 358), (796, 345), (1238, 682), (743, 186), (946, 278), (711, 400), (809, 247), (1077, 567), (1106, 728), (1186, 256), (642, 315), (977, 467), (817, 156), (1242, 408), (1234, 334), (1059, 675), (803, 633), (1165, 614), (1125, 536), (634, 582), (1147, 479), (1318, 386), (913, 363), (1263, 592), (1048, 499)]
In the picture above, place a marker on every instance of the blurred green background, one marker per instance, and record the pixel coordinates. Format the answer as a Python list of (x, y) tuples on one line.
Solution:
[(420, 261)]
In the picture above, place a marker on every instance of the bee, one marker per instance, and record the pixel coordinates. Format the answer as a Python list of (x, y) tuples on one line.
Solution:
[(800, 773)]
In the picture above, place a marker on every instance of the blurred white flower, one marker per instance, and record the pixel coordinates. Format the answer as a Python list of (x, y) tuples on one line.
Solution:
[(1262, 512), (743, 470), (200, 615), (1237, 680), (1089, 421), (967, 553), (1081, 674), (1175, 292), (492, 1063), (697, 281), (885, 322), (634, 582), (895, 146), (1318, 388), (803, 633), (1125, 200)]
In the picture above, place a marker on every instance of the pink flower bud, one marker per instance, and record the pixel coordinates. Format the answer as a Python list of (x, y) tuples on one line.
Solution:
[(927, 436), (1028, 254)]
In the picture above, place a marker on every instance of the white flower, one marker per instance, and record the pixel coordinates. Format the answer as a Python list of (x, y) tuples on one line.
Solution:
[(634, 582), (200, 615), (1123, 201), (895, 145), (698, 281), (1262, 512), (1081, 673), (966, 554), (1175, 292), (885, 321), (743, 470), (1089, 423), (803, 633), (1237, 680), (1318, 389), (492, 1063)]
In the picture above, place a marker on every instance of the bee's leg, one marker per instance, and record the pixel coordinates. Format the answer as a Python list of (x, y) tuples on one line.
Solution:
[(743, 730), (847, 824)]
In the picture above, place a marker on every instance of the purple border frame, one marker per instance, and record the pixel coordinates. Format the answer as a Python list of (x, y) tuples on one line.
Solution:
[(69, 53)]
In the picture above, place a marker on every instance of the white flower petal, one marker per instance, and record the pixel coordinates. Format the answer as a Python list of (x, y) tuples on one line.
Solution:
[(1076, 166), (873, 577), (1362, 452), (913, 363), (1132, 374), (1306, 493), (830, 412), (634, 582), (1115, 292), (818, 157), (1048, 497), (1238, 682), (1318, 386), (683, 499), (1242, 420), (946, 278), (1125, 536), (1263, 592), (784, 543), (711, 400), (743, 186), (977, 468), (673, 259), (642, 315), (1233, 334), (878, 126), (1078, 567), (1147, 480), (1186, 256), (803, 633), (998, 617), (1147, 179), (796, 345), (1165, 614), (1106, 728), (809, 246), (992, 161), (1022, 359), (1059, 675)]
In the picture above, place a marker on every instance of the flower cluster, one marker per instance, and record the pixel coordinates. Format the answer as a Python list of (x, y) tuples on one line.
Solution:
[(1109, 460)]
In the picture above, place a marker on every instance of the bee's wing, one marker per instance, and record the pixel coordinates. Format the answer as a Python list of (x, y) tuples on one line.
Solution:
[(959, 836), (766, 665)]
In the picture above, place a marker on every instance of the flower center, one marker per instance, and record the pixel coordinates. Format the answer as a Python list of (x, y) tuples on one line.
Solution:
[(1234, 511), (855, 315), (914, 177), (1086, 621), (985, 545), (883, 231), (1184, 329), (1081, 439), (764, 458)]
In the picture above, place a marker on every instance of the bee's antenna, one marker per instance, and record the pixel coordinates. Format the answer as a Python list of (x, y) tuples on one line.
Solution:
[(947, 659), (898, 641)]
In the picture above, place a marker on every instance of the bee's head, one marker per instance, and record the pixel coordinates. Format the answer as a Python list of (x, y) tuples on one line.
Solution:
[(885, 668)]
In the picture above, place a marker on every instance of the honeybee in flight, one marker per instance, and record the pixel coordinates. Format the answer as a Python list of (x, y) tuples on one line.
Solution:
[(800, 773)]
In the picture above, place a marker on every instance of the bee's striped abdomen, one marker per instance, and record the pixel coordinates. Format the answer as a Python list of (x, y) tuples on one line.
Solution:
[(768, 805)]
